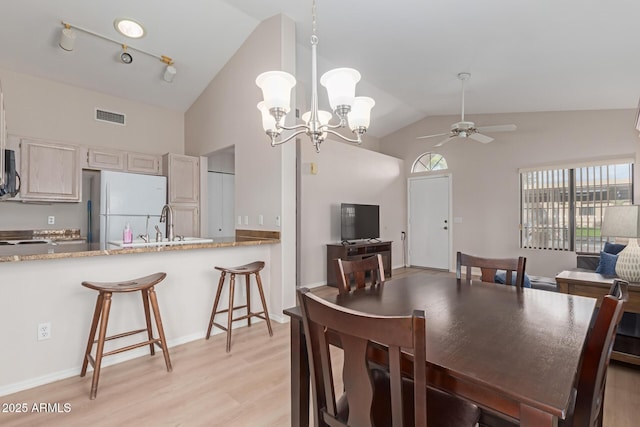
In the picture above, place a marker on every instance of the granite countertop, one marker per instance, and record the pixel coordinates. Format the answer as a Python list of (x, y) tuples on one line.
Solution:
[(13, 253)]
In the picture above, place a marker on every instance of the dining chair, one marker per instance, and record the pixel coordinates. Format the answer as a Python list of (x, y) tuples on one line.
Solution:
[(588, 410), (374, 395), (363, 272), (489, 267)]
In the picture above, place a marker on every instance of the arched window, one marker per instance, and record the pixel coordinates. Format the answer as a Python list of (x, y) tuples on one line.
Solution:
[(429, 162)]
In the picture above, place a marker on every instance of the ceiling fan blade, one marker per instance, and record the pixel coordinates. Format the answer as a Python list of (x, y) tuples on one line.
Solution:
[(441, 143), (497, 128), (480, 138), (431, 136)]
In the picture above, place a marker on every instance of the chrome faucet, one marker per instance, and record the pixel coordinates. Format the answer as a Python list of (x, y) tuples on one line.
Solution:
[(166, 216)]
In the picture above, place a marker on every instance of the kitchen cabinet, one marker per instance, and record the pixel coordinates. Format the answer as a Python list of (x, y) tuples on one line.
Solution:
[(144, 163), (183, 192), (50, 171), (186, 220), (102, 158), (183, 178), (123, 161)]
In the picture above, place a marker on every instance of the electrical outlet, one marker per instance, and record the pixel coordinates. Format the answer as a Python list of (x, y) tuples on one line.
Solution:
[(278, 221), (51, 220), (260, 219), (246, 220), (44, 331), (239, 220)]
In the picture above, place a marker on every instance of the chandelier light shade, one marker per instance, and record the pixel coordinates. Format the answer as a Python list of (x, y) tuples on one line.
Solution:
[(360, 113), (276, 89), (341, 89), (341, 86), (624, 221)]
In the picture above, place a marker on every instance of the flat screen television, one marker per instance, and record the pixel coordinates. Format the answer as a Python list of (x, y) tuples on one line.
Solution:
[(359, 221)]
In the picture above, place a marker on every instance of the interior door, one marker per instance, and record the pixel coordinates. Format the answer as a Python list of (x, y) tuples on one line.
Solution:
[(221, 204), (429, 223)]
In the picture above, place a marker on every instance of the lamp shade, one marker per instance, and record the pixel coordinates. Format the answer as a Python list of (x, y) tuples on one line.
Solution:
[(621, 221), (360, 114), (67, 39), (276, 89), (323, 117), (268, 121), (341, 86)]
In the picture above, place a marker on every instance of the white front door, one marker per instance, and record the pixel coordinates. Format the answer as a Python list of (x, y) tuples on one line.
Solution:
[(429, 223)]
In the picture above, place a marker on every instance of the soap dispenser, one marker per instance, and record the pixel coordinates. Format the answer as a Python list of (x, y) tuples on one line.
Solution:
[(127, 234)]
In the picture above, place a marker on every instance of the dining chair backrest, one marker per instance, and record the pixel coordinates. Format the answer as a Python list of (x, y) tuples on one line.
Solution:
[(367, 271), (595, 360), (489, 266), (325, 322)]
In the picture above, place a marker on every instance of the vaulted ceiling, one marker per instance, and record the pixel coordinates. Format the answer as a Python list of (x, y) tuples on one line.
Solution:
[(545, 55)]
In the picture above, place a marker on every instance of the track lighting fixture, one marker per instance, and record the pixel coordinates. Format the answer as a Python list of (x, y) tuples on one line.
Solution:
[(68, 38), (125, 56)]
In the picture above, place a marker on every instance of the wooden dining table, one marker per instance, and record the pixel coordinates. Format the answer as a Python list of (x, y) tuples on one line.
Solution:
[(513, 351)]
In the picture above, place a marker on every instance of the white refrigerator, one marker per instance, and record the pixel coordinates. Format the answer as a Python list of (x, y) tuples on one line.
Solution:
[(128, 198)]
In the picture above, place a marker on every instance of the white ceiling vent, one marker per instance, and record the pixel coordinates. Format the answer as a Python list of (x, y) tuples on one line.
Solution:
[(111, 117)]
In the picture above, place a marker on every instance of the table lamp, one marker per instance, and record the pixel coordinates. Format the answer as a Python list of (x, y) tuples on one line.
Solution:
[(624, 221)]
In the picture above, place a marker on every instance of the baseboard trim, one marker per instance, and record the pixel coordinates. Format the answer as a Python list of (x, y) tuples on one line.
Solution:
[(112, 360)]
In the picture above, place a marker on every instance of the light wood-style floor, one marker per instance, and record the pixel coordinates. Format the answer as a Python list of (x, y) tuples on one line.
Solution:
[(248, 387)]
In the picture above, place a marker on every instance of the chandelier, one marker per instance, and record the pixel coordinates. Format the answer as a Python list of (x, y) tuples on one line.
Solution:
[(341, 87)]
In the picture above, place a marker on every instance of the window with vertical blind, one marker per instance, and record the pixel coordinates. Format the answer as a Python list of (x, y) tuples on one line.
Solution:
[(561, 208)]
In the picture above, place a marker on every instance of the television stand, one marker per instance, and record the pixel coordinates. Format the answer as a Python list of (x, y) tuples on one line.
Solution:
[(353, 251)]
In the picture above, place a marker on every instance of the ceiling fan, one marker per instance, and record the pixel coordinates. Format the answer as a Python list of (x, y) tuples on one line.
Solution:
[(464, 129)]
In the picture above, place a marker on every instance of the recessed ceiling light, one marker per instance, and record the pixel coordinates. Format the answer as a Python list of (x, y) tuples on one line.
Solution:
[(129, 28)]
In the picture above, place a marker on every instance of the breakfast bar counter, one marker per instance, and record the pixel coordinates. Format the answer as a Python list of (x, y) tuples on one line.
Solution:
[(12, 253), (47, 289)]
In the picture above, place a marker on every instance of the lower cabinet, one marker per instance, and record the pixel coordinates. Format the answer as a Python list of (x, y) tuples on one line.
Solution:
[(354, 252), (186, 220), (49, 171)]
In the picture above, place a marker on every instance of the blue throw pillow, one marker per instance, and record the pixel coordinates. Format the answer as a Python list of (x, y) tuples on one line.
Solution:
[(501, 277), (607, 265), (613, 248)]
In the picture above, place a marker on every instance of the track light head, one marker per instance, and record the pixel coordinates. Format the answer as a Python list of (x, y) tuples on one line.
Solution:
[(126, 58), (67, 39), (169, 73)]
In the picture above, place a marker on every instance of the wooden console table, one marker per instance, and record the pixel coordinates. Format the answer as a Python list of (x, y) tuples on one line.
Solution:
[(590, 284), (357, 251)]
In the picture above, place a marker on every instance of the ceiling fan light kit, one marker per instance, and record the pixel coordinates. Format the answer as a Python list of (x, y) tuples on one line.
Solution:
[(68, 38), (341, 87), (466, 129)]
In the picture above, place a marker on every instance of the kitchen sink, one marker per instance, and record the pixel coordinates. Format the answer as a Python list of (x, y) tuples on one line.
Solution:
[(139, 243), (25, 242)]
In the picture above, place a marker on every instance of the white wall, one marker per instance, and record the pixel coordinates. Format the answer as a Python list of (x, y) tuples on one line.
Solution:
[(49, 110), (44, 109), (346, 174), (226, 114), (486, 180)]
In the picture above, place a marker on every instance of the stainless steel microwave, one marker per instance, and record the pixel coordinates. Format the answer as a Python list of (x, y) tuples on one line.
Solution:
[(10, 186)]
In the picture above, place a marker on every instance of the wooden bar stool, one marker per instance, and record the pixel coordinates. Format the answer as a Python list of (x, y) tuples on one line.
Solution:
[(245, 270), (146, 286)]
